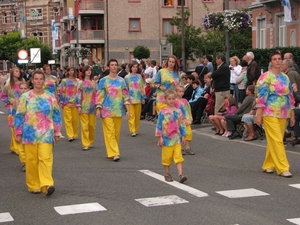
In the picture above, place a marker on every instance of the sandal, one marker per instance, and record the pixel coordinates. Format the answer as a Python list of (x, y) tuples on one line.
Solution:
[(168, 178), (250, 138)]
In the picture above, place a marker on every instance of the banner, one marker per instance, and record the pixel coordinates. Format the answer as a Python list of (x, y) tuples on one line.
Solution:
[(287, 10), (54, 30), (22, 19)]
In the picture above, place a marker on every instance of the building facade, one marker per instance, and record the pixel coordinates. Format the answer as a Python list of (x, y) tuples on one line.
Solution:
[(269, 29)]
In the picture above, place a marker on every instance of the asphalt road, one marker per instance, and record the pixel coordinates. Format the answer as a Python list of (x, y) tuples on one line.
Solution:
[(113, 192)]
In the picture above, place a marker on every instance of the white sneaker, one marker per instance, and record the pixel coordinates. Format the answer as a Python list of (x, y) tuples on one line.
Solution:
[(133, 135), (116, 158), (286, 174), (85, 148)]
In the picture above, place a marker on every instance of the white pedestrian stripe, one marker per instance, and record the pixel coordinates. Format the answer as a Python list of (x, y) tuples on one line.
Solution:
[(6, 217), (2, 112), (162, 200), (176, 184), (295, 185), (294, 221), (242, 193), (79, 208)]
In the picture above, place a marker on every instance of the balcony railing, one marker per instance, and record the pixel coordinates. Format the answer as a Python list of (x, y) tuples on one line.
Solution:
[(57, 19), (91, 5), (65, 39), (64, 13), (57, 43), (88, 35)]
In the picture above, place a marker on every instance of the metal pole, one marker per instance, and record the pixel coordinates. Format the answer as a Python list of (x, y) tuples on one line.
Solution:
[(182, 35), (77, 30), (26, 31), (227, 33)]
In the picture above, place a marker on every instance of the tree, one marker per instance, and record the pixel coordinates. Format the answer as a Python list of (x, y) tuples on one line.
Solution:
[(141, 52), (191, 37), (12, 42)]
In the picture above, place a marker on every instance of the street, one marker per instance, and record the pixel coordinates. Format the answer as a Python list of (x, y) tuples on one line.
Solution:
[(225, 184)]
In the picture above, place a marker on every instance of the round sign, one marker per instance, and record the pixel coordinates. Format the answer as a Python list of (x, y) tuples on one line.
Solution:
[(22, 54)]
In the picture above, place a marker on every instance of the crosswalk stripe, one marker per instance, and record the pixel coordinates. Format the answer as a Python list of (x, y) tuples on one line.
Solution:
[(294, 221), (2, 112), (295, 185), (176, 184), (242, 193), (6, 217), (162, 200), (79, 208)]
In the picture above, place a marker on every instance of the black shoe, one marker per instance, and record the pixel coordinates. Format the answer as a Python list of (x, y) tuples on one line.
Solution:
[(287, 135), (294, 142), (196, 122), (233, 136), (50, 190)]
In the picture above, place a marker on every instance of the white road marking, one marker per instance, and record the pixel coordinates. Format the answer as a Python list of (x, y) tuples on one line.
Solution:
[(79, 208), (294, 221), (2, 112), (242, 193), (176, 184), (162, 200), (6, 217), (295, 185)]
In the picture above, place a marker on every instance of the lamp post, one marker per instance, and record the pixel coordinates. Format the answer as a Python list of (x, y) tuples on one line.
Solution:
[(182, 35), (227, 33)]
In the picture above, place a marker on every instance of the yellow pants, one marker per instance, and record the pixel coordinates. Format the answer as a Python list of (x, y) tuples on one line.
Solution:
[(111, 132), (275, 152), (160, 106), (134, 117), (189, 133), (88, 126), (16, 147), (171, 152), (71, 121), (39, 161)]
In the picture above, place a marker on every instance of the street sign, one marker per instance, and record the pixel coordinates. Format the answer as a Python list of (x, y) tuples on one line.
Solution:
[(51, 61), (35, 55), (22, 54), (22, 61)]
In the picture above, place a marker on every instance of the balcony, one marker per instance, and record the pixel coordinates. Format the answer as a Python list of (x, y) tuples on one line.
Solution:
[(64, 14), (88, 37), (65, 40), (57, 21), (91, 7), (239, 4), (57, 44)]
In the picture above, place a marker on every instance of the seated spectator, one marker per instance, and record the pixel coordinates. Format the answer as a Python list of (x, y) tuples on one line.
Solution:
[(233, 120), (198, 109), (229, 107), (248, 120), (197, 91), (188, 88), (296, 127)]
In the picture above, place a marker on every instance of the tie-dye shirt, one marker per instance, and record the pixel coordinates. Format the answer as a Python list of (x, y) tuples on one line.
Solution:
[(111, 97), (275, 95), (185, 108), (85, 98), (10, 96), (68, 91), (170, 126), (38, 118), (50, 84), (167, 79), (136, 88)]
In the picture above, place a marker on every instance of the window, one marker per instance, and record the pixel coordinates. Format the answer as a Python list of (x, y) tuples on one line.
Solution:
[(13, 17), (55, 11), (281, 32), (207, 0), (4, 18), (38, 35), (261, 33), (134, 24), (168, 3), (184, 2), (167, 27)]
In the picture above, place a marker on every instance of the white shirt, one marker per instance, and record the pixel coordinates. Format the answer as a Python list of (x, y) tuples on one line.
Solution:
[(235, 73)]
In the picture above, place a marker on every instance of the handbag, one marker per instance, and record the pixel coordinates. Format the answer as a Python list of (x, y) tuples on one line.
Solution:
[(210, 106)]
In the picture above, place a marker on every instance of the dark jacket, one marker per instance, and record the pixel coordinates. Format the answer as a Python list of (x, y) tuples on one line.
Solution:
[(201, 70), (252, 73), (293, 76), (245, 106), (188, 92), (221, 78)]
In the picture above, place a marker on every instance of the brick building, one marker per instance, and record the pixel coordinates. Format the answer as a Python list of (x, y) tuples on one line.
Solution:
[(269, 28)]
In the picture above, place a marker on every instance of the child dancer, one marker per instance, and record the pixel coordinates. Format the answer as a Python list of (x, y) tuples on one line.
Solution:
[(171, 130), (112, 99), (185, 108), (23, 88), (136, 88), (51, 82), (11, 92), (37, 125), (85, 102), (68, 91)]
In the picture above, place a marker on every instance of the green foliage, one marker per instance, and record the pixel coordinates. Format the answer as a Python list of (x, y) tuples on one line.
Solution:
[(141, 52), (11, 43), (262, 55), (213, 42), (191, 37)]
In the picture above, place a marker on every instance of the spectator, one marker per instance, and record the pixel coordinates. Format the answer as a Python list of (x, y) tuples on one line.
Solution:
[(235, 72), (291, 57), (221, 81), (201, 69), (241, 81), (248, 120), (296, 93), (289, 69), (208, 63), (252, 70), (53, 71), (188, 89), (123, 71)]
